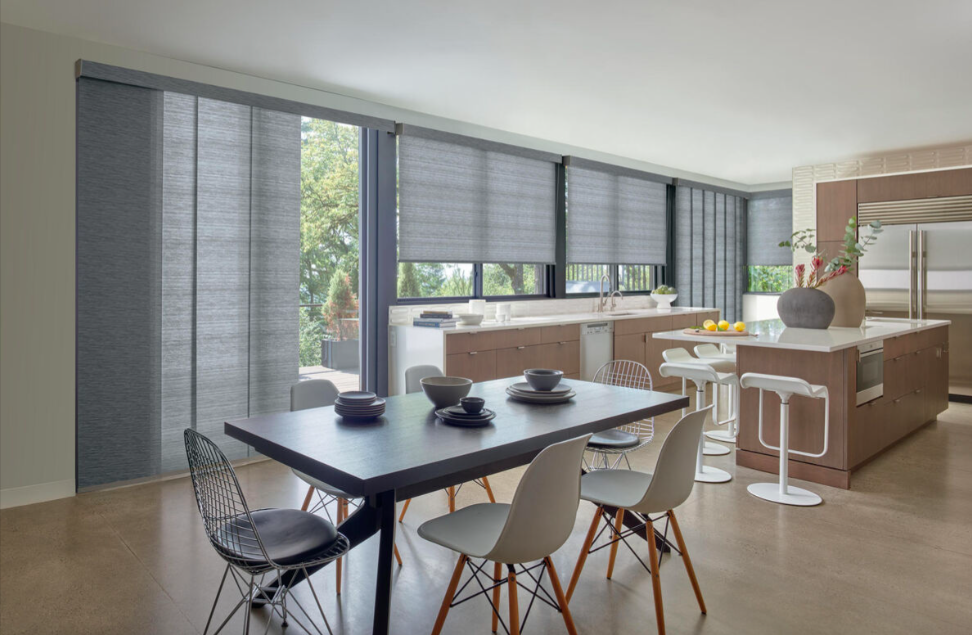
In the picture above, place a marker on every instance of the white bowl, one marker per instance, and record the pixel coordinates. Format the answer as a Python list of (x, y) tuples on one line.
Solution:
[(446, 391), (664, 300), (470, 319)]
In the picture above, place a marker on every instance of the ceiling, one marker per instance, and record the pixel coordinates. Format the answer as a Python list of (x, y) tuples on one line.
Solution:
[(742, 90)]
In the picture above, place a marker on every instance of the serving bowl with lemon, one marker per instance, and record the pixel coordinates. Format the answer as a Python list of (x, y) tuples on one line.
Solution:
[(722, 327)]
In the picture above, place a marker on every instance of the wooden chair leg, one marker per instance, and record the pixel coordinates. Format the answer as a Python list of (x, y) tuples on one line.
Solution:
[(687, 560), (398, 556), (497, 572), (489, 490), (561, 600), (450, 592), (618, 526), (404, 509), (340, 561), (307, 499), (514, 606), (452, 498), (582, 558), (655, 578)]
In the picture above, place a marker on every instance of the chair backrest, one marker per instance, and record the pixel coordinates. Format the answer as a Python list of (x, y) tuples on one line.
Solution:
[(225, 514), (623, 372), (674, 474), (415, 374), (708, 350), (678, 356), (313, 393), (698, 372), (544, 506)]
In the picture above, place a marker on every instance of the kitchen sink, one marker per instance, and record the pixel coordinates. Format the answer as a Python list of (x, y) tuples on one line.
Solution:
[(619, 313)]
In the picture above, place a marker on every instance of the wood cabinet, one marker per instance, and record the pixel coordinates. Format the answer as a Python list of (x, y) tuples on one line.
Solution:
[(633, 340), (486, 355), (836, 202), (904, 187), (476, 365)]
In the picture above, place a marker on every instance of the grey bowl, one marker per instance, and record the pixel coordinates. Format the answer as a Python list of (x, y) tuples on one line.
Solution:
[(446, 391), (543, 378)]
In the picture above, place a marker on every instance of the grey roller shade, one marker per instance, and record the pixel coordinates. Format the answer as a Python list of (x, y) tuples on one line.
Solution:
[(468, 200), (189, 217), (615, 215), (710, 249), (770, 222)]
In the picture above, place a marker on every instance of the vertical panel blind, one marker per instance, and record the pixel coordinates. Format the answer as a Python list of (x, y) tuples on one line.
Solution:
[(188, 236), (769, 222), (710, 249), (469, 200), (614, 215)]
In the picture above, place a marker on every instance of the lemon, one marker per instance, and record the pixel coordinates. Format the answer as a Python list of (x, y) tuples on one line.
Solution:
[(723, 325), (739, 326), (710, 325)]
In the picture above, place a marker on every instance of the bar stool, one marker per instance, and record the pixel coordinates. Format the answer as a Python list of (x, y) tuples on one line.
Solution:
[(729, 434), (682, 356), (783, 492), (701, 374)]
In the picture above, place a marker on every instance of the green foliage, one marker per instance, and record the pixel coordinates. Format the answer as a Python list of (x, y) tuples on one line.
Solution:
[(770, 279), (504, 279), (341, 310), (801, 240), (853, 248)]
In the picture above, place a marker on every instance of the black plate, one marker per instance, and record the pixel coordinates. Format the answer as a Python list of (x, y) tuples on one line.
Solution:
[(467, 422)]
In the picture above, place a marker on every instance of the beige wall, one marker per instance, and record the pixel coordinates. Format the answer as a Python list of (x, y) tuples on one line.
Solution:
[(37, 233)]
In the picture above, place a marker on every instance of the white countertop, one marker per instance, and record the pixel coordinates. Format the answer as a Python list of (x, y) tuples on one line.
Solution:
[(569, 318), (773, 334)]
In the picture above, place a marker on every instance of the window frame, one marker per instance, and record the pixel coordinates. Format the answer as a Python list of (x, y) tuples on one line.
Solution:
[(477, 293)]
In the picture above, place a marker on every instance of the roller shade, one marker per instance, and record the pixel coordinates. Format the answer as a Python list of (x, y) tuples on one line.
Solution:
[(615, 215), (469, 200), (769, 222)]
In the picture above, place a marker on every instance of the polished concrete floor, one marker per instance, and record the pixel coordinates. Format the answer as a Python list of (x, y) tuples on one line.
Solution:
[(893, 555)]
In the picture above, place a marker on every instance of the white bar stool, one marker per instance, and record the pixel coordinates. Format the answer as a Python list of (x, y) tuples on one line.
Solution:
[(701, 374), (785, 387), (711, 351), (721, 366)]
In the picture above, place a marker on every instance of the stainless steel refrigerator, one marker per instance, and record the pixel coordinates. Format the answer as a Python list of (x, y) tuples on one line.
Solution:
[(923, 271)]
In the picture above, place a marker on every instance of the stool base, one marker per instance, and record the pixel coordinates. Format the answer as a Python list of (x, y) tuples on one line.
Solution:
[(712, 475), (794, 496), (714, 449), (721, 435)]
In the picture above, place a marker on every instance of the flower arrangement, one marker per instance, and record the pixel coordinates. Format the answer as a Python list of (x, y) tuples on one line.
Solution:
[(817, 275), (851, 252)]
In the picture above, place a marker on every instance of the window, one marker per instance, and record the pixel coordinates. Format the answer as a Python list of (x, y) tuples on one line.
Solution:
[(513, 279), (625, 278), (770, 279), (587, 278), (435, 280), (634, 278)]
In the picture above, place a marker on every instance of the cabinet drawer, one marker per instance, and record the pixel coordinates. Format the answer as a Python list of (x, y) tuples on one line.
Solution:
[(932, 337), (511, 338), (643, 325), (466, 342), (513, 361), (563, 333), (867, 434), (901, 375), (475, 365), (686, 321), (901, 345), (561, 356)]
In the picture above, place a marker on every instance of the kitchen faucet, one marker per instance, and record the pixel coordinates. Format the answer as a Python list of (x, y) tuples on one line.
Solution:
[(618, 294), (600, 301)]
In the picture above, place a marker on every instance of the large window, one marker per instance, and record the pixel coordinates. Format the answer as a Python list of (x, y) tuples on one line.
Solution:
[(434, 280), (625, 278), (770, 278), (513, 279)]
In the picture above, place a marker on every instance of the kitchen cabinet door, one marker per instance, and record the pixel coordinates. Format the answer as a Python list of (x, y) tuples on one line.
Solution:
[(630, 347), (476, 365), (564, 356), (513, 361), (653, 359)]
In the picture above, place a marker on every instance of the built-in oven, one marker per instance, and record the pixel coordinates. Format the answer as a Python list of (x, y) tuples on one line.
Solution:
[(870, 372)]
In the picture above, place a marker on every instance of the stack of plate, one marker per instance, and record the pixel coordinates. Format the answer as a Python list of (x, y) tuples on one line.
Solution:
[(523, 391), (456, 416), (359, 405)]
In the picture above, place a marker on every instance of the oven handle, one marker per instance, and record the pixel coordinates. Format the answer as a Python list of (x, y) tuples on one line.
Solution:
[(861, 355)]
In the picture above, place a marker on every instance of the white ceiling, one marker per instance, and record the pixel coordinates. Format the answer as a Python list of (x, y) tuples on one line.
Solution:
[(742, 90)]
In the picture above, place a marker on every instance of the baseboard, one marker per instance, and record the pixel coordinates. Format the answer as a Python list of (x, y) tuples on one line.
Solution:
[(30, 494)]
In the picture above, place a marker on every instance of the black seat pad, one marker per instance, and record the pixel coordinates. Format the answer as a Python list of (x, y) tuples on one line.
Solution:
[(290, 537), (614, 439)]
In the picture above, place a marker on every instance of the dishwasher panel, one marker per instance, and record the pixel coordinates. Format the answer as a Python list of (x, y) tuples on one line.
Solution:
[(596, 347)]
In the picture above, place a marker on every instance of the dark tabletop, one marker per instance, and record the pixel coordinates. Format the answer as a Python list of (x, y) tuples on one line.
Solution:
[(410, 450)]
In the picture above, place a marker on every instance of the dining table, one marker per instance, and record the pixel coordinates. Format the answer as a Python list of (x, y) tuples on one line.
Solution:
[(409, 451)]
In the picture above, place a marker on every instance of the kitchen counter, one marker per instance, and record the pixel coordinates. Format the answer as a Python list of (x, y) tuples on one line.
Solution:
[(773, 334)]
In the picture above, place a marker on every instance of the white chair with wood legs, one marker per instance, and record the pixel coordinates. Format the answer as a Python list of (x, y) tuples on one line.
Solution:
[(413, 383), (645, 495), (319, 393), (701, 375), (682, 356), (786, 387), (536, 524)]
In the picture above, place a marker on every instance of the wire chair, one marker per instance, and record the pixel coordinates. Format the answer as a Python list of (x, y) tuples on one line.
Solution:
[(626, 438), (233, 532)]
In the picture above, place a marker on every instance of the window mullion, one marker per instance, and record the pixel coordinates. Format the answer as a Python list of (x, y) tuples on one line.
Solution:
[(478, 280)]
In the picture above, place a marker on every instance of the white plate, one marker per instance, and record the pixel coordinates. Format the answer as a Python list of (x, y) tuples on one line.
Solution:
[(552, 399), (524, 387)]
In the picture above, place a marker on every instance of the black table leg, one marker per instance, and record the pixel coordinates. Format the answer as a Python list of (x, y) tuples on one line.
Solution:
[(385, 506)]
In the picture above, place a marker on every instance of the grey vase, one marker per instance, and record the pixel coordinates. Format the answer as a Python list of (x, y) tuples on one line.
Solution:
[(804, 308)]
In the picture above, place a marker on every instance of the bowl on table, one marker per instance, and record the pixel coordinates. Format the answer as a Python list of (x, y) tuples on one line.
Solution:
[(446, 391), (470, 319), (472, 405), (543, 378)]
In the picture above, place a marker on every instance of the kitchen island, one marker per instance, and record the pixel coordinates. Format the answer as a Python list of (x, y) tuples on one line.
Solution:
[(915, 390)]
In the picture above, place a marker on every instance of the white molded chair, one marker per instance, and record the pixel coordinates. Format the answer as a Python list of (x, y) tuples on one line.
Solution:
[(645, 494), (627, 438), (785, 387), (413, 383), (536, 524), (724, 367), (700, 374), (319, 393)]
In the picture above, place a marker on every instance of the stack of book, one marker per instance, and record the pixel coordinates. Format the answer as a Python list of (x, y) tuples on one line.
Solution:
[(436, 320)]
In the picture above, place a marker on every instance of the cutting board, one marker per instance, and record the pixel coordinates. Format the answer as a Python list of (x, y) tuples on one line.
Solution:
[(732, 333)]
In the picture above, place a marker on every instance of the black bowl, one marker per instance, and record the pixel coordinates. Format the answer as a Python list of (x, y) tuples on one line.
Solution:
[(472, 405), (543, 378)]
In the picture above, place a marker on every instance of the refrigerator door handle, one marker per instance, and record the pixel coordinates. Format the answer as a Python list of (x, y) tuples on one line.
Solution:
[(911, 275), (922, 275)]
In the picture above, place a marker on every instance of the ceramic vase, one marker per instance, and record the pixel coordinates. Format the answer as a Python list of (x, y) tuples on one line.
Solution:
[(805, 308), (850, 299)]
